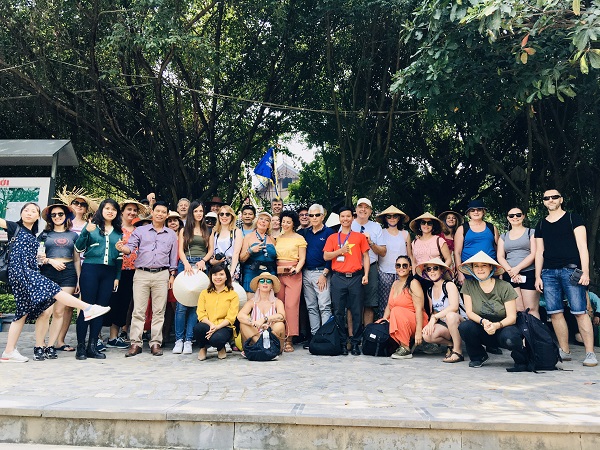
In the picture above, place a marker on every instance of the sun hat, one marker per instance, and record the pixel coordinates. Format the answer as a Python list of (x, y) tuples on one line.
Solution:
[(68, 196), (415, 221), (69, 213), (480, 257), (273, 278), (475, 204), (333, 220), (366, 201), (263, 213), (187, 288), (142, 220), (420, 269), (459, 218), (392, 210), (142, 209)]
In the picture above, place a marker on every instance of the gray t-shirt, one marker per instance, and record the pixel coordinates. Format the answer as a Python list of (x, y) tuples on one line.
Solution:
[(59, 244), (518, 249), (489, 306)]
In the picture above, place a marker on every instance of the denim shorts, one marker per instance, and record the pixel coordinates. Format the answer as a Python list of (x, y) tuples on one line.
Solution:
[(557, 286)]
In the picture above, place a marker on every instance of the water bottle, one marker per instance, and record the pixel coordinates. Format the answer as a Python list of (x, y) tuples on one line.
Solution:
[(266, 339), (41, 252)]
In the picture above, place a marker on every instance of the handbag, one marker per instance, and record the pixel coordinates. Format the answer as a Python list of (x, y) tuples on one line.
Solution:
[(5, 257), (259, 351), (376, 339), (327, 340)]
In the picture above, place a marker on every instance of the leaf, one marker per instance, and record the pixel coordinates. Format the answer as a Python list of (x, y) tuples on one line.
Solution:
[(577, 7), (524, 57), (583, 65), (524, 41), (530, 51), (594, 58)]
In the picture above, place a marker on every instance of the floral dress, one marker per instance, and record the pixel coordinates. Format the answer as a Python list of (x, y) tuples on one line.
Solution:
[(33, 292)]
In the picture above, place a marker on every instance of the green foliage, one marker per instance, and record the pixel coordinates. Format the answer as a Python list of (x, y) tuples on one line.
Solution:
[(7, 304)]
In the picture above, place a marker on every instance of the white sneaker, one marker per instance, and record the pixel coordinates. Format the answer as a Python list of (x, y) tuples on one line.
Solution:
[(95, 311), (590, 360), (211, 350), (178, 347), (228, 348), (564, 355), (187, 348), (13, 356)]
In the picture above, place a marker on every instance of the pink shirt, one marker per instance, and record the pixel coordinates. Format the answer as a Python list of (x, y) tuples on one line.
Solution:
[(423, 251)]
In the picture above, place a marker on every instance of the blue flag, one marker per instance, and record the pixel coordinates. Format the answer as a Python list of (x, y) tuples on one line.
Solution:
[(266, 166)]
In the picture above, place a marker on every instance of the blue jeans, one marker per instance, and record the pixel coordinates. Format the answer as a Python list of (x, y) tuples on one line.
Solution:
[(185, 319), (557, 286), (191, 259)]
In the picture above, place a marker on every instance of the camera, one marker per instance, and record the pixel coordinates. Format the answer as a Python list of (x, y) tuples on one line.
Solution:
[(219, 256)]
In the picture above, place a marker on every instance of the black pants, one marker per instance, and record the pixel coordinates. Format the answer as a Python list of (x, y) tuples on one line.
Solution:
[(218, 339), (475, 338), (347, 294), (120, 301), (96, 283)]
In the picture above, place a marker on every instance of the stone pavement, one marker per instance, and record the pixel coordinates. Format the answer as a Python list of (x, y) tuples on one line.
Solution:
[(299, 389)]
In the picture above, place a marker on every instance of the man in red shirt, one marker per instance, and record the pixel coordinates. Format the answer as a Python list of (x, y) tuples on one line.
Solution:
[(348, 252)]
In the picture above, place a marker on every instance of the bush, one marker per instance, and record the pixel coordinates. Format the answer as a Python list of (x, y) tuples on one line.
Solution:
[(7, 304)]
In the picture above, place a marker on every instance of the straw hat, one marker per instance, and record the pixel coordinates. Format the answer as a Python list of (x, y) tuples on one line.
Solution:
[(142, 220), (415, 221), (142, 209), (446, 275), (480, 257), (66, 208), (276, 283), (174, 214), (187, 288), (459, 218), (68, 196), (263, 213), (392, 210)]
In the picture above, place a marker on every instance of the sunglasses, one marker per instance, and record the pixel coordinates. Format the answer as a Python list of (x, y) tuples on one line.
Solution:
[(60, 214), (315, 215), (265, 280), (477, 209), (553, 197), (225, 214), (510, 216), (392, 216), (432, 268), (402, 266), (82, 204), (304, 215), (427, 222)]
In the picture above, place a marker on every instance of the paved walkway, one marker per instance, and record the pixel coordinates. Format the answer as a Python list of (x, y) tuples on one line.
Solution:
[(364, 388)]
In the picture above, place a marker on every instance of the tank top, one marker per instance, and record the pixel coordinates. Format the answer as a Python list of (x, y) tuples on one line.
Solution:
[(441, 303), (518, 249), (224, 243), (423, 251), (479, 241), (197, 247), (257, 314)]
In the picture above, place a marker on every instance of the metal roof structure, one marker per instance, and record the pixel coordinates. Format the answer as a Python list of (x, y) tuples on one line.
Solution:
[(37, 152)]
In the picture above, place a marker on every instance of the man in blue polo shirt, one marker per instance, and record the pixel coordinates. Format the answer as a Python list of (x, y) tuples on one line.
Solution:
[(316, 269)]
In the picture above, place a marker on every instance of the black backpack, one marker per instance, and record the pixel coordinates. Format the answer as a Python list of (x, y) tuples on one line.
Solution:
[(540, 345), (327, 340), (376, 337)]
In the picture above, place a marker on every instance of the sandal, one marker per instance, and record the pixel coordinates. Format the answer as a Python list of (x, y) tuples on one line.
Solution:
[(288, 348), (454, 358), (65, 348), (448, 352)]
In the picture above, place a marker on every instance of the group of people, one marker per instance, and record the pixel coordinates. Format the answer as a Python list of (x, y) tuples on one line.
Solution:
[(456, 280)]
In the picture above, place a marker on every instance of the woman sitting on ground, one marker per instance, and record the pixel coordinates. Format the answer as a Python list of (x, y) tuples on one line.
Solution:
[(218, 307), (491, 306), (405, 310), (264, 311), (446, 314)]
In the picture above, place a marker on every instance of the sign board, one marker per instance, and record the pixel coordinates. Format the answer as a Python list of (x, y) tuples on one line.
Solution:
[(15, 192)]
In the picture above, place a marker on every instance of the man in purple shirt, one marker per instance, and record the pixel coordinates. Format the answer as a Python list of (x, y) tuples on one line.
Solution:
[(156, 266)]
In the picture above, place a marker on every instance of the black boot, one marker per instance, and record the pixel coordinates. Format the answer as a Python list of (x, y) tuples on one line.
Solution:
[(92, 350), (80, 354)]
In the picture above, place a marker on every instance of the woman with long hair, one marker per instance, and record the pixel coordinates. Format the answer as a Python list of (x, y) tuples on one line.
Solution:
[(291, 256), (33, 292), (225, 242), (193, 248), (405, 310), (100, 271), (516, 254), (61, 265), (451, 220), (218, 306), (258, 252)]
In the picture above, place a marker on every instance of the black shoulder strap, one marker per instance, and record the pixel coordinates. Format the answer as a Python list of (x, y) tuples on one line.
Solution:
[(465, 228), (490, 226), (445, 289)]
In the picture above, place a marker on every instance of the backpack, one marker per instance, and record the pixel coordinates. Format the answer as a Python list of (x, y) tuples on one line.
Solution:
[(5, 257), (540, 345), (461, 305), (258, 352), (327, 340), (376, 337)]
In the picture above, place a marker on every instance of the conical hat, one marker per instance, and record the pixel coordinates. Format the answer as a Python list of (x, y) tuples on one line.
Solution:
[(332, 220), (480, 257), (413, 223), (187, 288), (434, 262), (392, 210)]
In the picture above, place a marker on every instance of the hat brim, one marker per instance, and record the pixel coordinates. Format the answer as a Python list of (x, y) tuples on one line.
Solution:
[(392, 210), (415, 221), (66, 208), (273, 278), (142, 209), (459, 217), (483, 258)]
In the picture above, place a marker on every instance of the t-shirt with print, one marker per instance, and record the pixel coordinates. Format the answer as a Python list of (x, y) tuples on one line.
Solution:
[(560, 247), (58, 244), (352, 261), (490, 305)]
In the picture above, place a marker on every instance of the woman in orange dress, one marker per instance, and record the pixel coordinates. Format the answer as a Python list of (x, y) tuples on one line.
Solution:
[(405, 310)]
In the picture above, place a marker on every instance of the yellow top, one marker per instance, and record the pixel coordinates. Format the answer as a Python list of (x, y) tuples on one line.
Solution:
[(287, 248), (218, 306)]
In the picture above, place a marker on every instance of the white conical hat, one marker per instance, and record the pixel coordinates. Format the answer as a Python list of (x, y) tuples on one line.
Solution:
[(187, 288), (480, 257)]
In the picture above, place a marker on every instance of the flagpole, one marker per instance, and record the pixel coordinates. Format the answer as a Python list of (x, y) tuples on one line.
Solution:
[(276, 182)]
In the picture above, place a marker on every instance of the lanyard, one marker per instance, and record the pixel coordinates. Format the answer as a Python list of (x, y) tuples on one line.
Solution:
[(340, 238)]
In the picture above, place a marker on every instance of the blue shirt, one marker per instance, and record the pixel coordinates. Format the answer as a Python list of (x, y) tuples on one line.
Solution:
[(314, 247)]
